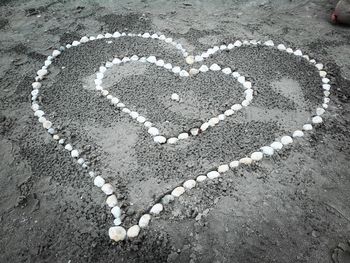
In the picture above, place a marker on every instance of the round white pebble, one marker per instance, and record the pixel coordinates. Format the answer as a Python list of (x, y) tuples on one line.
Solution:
[(156, 209), (213, 174), (178, 191), (99, 181), (285, 140), (256, 156), (111, 201), (144, 220), (201, 178), (189, 184), (107, 189), (133, 231), (116, 212), (223, 168), (117, 233)]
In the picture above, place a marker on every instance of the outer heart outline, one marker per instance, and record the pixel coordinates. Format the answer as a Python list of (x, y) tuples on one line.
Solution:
[(118, 233)]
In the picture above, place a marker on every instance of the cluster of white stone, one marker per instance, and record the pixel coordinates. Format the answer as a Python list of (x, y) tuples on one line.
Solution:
[(118, 232), (154, 131)]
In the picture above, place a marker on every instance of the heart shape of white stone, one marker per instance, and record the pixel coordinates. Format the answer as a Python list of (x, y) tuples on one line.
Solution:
[(118, 233)]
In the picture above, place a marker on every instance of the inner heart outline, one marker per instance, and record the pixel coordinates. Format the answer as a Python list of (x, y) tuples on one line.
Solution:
[(118, 233), (154, 131)]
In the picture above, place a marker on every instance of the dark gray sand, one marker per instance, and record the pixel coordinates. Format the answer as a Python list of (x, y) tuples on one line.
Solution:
[(293, 207)]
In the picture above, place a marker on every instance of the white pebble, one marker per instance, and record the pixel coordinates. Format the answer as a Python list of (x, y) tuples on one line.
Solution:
[(236, 107), (237, 43), (307, 127), (47, 124), (183, 73), (298, 52), (189, 184), (190, 60), (107, 189), (193, 71), (68, 147), (134, 114), (247, 84), (168, 66), (156, 209), (289, 50), (74, 153), (227, 71), (172, 140), (241, 79), (256, 156), (36, 85), (159, 139), (176, 69), (246, 160), (298, 133), (215, 67), (269, 43), (203, 68), (81, 161), (267, 150), (235, 74), (56, 53), (178, 191), (151, 59), (285, 140), (201, 178), (323, 73), (213, 174), (116, 212), (221, 117), (281, 47), (153, 131), (326, 86), (276, 145), (117, 233), (319, 66), (213, 121), (99, 181), (117, 221), (144, 220), (133, 231), (234, 164), (111, 201), (194, 131), (223, 168), (141, 119), (317, 119), (320, 111), (204, 126), (182, 136), (229, 112)]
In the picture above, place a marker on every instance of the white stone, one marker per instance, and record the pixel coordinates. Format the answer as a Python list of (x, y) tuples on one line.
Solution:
[(176, 69), (42, 119), (168, 66), (116, 34), (227, 71), (151, 59), (141, 119), (117, 221), (133, 231), (204, 126), (285, 140), (198, 58), (144, 220), (99, 181), (326, 86), (172, 140), (56, 53), (47, 124), (201, 178), (182, 136), (108, 35), (323, 73), (247, 84), (317, 119), (246, 160), (183, 73), (289, 50), (148, 124), (256, 156), (135, 58), (107, 189), (146, 35), (267, 150), (276, 146), (213, 121), (203, 68), (223, 168), (193, 71), (111, 201), (153, 131), (159, 139), (213, 174), (229, 112), (56, 137), (241, 79), (325, 80), (319, 66), (298, 133), (237, 43), (214, 67), (230, 46), (235, 74), (234, 164), (36, 85), (307, 127), (68, 147), (156, 209), (74, 153), (194, 131), (117, 233), (190, 60), (126, 110), (178, 191), (281, 47), (116, 212), (269, 43), (222, 117), (160, 63), (236, 107), (189, 184), (298, 52), (134, 114), (116, 61), (320, 111)]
